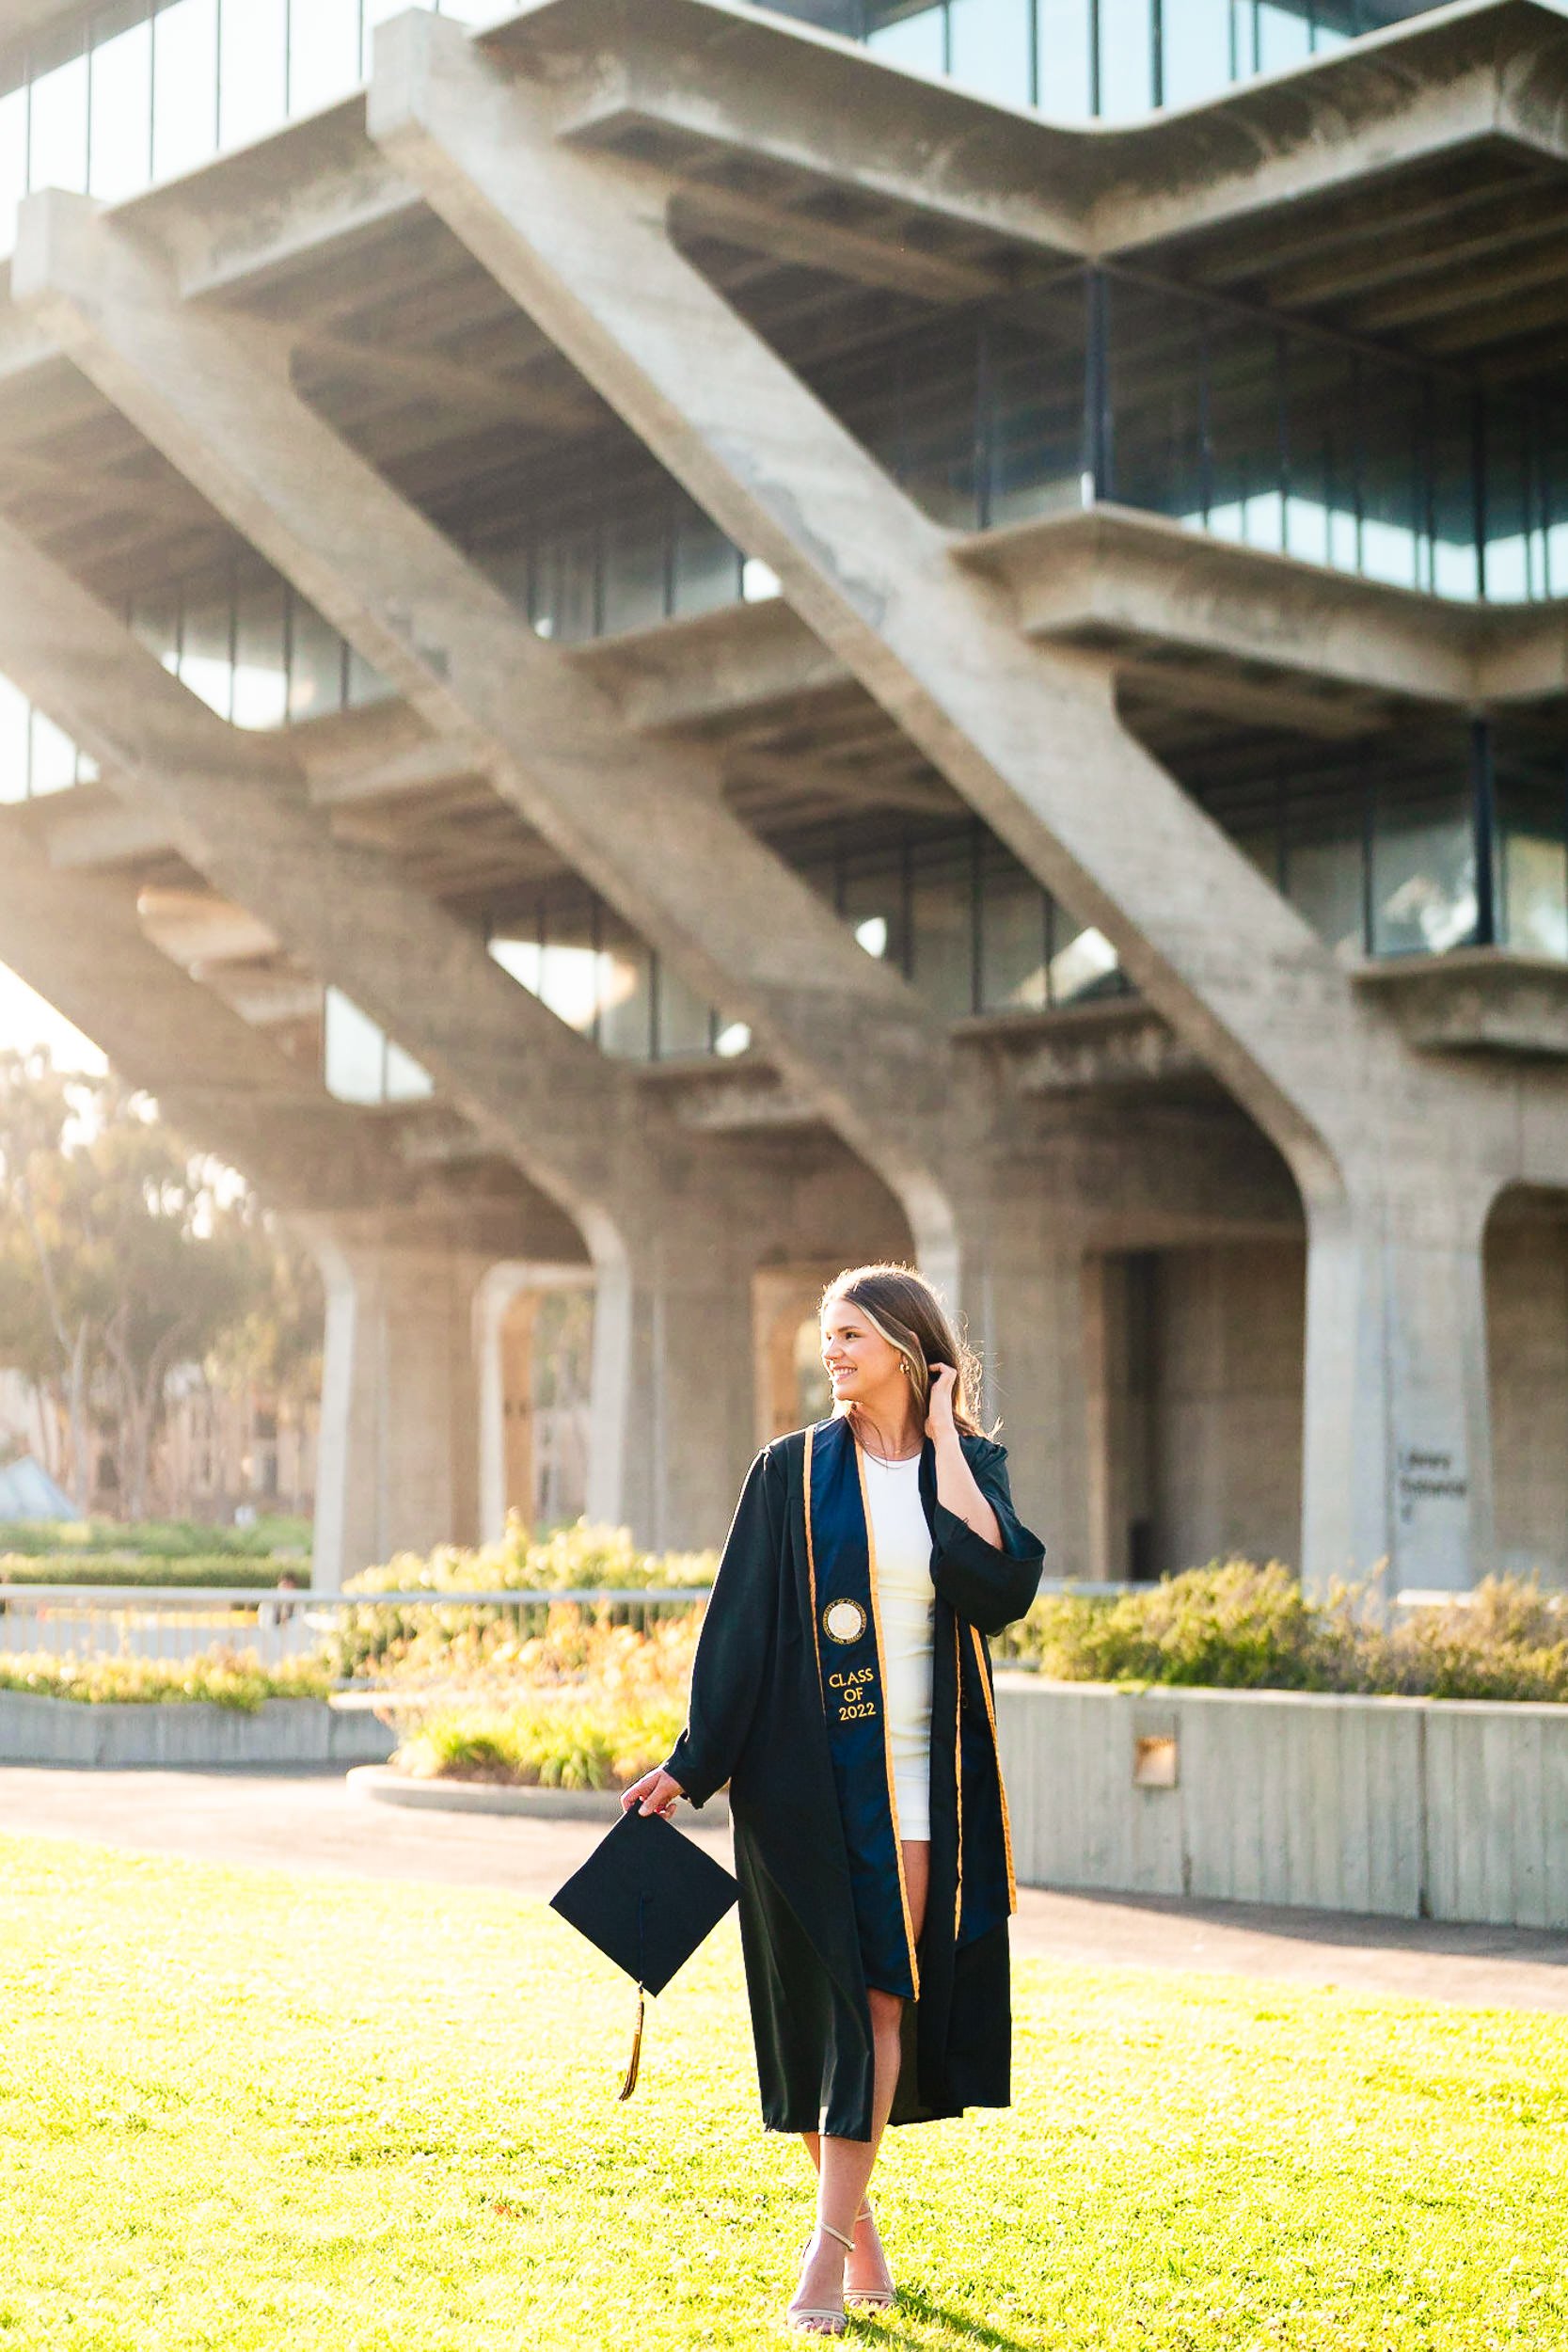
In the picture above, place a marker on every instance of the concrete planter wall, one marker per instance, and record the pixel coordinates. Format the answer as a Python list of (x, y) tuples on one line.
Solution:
[(190, 1732), (1410, 1807)]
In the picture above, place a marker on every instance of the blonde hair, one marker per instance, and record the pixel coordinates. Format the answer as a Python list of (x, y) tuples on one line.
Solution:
[(901, 1306)]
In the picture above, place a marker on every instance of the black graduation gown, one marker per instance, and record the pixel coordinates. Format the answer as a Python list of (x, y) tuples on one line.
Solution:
[(757, 1721)]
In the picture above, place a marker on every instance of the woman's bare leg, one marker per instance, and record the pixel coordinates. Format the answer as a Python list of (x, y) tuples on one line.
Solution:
[(845, 2167)]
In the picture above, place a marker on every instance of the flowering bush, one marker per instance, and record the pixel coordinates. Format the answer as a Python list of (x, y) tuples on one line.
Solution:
[(226, 1677), (1238, 1627), (584, 1704), (386, 1638)]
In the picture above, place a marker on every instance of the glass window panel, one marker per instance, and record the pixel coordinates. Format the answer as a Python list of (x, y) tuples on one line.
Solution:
[(156, 621), (1156, 388), (121, 163), (261, 681), (1083, 964), (1284, 37), (523, 958), (315, 664), (1515, 548), (1394, 502), (1066, 87), (636, 550), (14, 742), (58, 130), (407, 1081), (569, 981), (988, 46), (184, 85), (13, 162), (1326, 876), (916, 41), (684, 1023), (566, 586), (323, 53), (1012, 940), (1453, 568), (53, 762), (941, 930), (1196, 50), (1246, 497), (253, 86), (872, 903), (354, 1052), (706, 565), (206, 656), (1532, 781), (1320, 504), (365, 683), (1423, 870), (1126, 58), (1035, 408), (1534, 893), (929, 438), (626, 999)]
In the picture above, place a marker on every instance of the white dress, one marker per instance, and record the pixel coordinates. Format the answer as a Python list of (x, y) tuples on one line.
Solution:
[(901, 1546)]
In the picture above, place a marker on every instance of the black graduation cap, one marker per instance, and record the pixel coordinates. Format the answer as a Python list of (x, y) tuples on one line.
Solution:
[(647, 1896)]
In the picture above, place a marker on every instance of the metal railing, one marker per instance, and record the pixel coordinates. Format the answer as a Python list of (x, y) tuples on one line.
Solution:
[(172, 1623)]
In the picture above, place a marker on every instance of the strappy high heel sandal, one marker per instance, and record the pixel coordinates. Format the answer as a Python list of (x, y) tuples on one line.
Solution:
[(871, 2298), (806, 2319)]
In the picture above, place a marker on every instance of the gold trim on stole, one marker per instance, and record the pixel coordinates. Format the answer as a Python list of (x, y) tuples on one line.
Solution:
[(958, 1769), (887, 1727), (1001, 1784), (811, 1575)]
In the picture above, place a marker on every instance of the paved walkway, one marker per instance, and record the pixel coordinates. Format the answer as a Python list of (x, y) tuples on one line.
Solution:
[(309, 1823)]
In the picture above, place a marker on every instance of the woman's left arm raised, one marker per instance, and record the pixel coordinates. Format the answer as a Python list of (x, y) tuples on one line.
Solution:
[(986, 1562)]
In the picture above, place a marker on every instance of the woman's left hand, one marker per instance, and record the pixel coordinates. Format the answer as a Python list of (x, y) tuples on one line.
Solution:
[(939, 1407)]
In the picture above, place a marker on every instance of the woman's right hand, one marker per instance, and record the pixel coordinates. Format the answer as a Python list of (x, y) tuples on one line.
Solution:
[(655, 1792)]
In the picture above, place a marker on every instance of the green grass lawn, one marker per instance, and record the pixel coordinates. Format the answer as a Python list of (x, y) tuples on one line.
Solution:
[(244, 2109)]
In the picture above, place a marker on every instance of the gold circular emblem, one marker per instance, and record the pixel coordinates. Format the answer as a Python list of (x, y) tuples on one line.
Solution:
[(843, 1621)]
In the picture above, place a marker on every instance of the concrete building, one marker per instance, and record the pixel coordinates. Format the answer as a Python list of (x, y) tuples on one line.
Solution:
[(659, 644)]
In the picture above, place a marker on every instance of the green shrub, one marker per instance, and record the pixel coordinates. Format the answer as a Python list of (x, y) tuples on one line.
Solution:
[(288, 1539), (226, 1677), (386, 1638), (1233, 1626), (568, 1743), (235, 1570)]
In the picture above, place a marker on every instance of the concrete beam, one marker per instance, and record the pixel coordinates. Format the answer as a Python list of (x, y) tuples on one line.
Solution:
[(784, 234), (78, 941)]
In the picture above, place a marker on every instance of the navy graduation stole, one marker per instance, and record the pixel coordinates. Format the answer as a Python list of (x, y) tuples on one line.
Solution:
[(846, 1625)]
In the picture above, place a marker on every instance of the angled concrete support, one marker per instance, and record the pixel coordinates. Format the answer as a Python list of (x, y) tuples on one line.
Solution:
[(1030, 737), (236, 808), (643, 821)]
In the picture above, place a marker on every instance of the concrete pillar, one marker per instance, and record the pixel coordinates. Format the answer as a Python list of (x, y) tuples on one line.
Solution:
[(396, 1463), (1024, 1309), (1398, 1439)]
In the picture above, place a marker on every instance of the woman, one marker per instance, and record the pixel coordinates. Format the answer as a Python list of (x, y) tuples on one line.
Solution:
[(842, 1687)]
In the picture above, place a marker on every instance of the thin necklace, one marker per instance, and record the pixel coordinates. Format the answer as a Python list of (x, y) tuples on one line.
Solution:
[(887, 1460)]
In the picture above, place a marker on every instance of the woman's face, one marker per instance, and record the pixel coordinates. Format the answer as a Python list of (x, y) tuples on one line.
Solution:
[(861, 1364)]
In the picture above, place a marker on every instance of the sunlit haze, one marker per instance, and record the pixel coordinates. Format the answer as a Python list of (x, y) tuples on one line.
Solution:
[(26, 1020)]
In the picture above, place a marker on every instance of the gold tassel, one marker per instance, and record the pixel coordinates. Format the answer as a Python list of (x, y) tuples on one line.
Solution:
[(635, 2061)]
